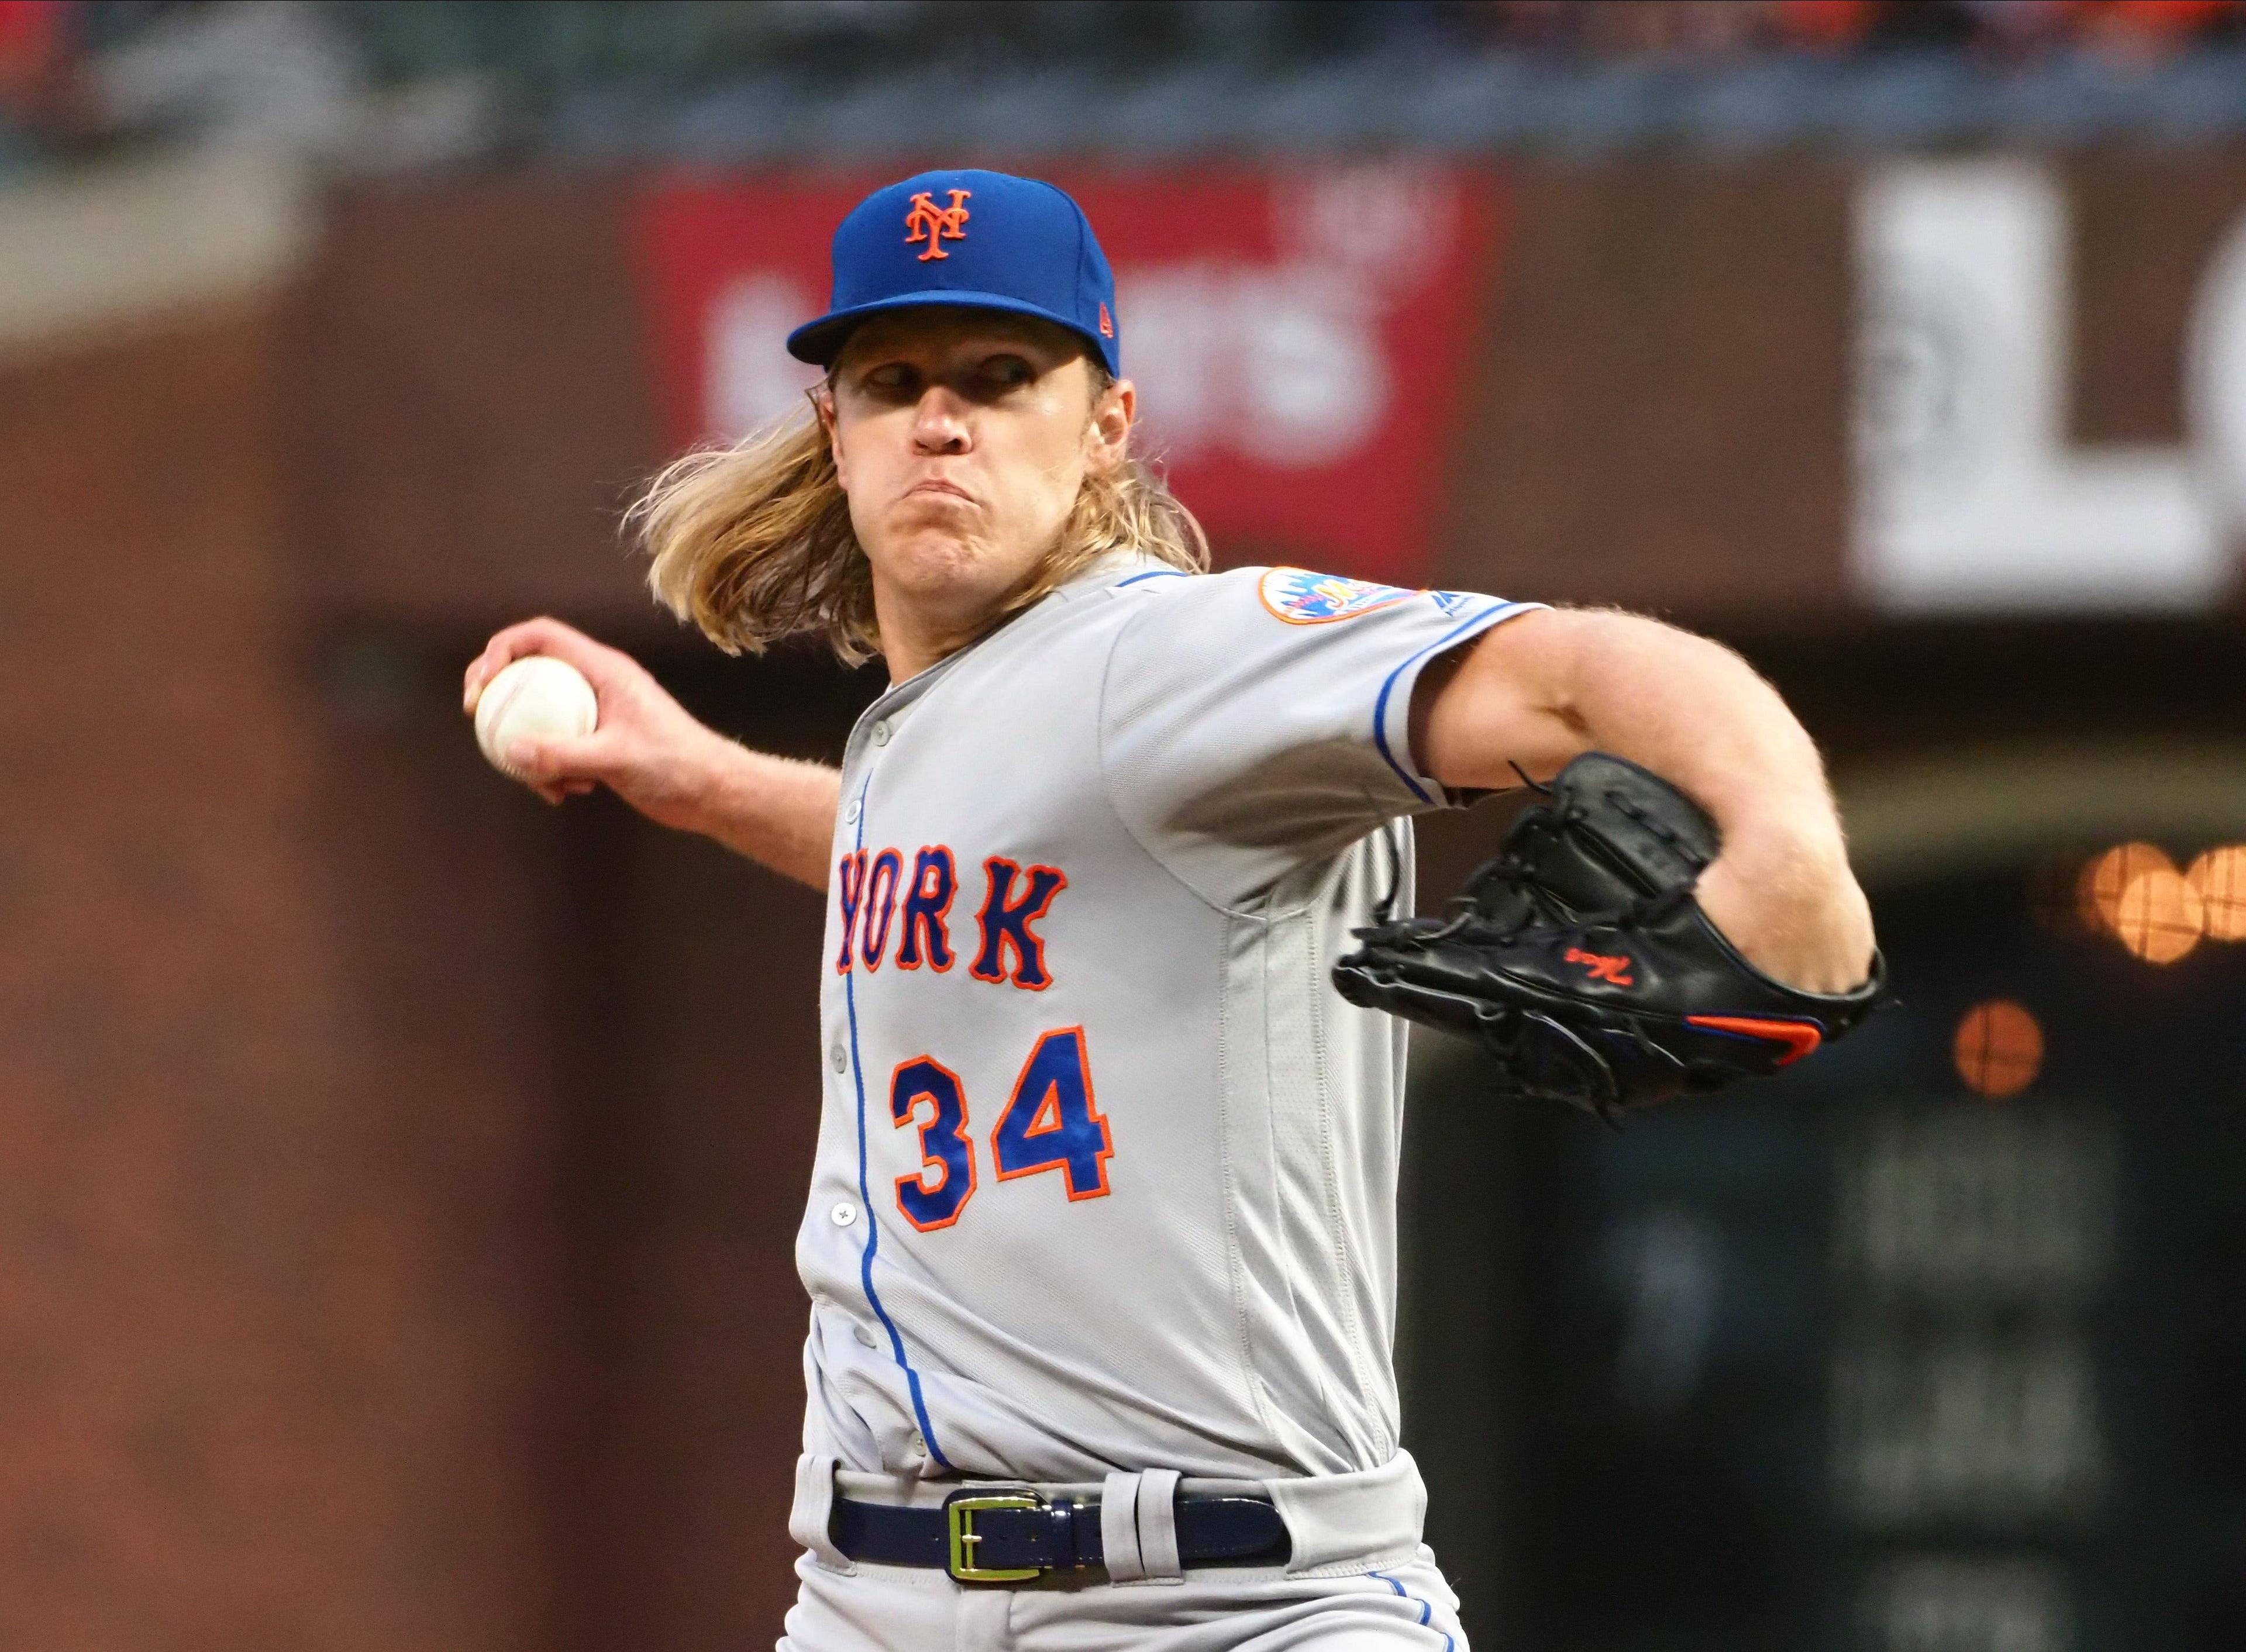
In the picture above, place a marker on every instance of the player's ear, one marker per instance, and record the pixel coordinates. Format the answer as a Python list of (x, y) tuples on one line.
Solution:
[(1108, 439), (822, 403)]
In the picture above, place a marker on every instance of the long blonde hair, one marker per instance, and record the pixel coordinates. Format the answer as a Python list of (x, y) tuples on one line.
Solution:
[(752, 543)]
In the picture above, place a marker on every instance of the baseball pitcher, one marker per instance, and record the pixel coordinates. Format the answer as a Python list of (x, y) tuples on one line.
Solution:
[(1102, 1236)]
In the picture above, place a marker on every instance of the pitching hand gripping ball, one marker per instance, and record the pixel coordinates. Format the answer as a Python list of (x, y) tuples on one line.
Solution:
[(537, 697)]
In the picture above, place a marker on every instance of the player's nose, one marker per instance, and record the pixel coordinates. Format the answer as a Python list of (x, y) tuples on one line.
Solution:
[(940, 425)]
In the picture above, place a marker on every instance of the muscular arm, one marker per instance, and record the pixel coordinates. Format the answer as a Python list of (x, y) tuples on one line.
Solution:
[(672, 769), (1545, 686), (778, 810)]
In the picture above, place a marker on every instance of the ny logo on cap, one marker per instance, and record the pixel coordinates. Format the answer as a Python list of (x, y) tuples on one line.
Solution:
[(927, 221)]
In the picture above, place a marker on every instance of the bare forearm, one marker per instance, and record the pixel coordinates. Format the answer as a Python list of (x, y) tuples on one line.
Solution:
[(1696, 713), (777, 811), (1541, 689)]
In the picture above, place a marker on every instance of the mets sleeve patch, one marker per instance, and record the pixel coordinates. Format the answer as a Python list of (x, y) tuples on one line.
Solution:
[(1301, 597)]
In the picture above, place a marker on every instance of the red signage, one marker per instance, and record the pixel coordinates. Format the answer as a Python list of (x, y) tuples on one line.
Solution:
[(1299, 339)]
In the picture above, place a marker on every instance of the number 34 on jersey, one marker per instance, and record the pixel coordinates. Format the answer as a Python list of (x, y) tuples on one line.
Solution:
[(1050, 1124)]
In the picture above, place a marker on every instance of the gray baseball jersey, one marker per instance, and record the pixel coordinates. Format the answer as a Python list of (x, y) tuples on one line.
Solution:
[(1106, 1170)]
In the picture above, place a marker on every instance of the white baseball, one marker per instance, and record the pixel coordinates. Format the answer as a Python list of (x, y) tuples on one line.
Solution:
[(535, 697)]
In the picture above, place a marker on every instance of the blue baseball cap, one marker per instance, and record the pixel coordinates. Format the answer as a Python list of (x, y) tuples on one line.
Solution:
[(979, 240)]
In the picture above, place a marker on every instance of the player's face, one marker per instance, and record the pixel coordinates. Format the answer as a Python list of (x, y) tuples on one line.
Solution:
[(963, 440)]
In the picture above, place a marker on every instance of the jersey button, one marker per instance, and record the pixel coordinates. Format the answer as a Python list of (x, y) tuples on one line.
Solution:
[(841, 1057), (881, 734), (850, 813), (865, 1334), (843, 1215)]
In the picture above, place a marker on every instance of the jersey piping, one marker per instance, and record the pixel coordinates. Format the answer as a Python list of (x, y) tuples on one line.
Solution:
[(1427, 1611), (1157, 574), (1487, 616), (865, 1197)]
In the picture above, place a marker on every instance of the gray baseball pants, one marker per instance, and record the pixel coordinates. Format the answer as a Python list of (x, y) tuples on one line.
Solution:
[(894, 1609)]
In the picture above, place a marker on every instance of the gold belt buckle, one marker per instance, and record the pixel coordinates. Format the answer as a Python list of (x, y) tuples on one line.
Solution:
[(959, 1512)]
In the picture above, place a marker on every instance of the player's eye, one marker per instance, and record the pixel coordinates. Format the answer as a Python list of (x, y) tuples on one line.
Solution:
[(1007, 372), (891, 379)]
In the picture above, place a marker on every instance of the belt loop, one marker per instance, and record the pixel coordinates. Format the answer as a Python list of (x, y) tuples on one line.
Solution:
[(1158, 1526), (1118, 1528), (810, 1519), (1359, 1520)]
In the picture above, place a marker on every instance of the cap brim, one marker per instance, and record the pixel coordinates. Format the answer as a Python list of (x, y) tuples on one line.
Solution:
[(819, 341)]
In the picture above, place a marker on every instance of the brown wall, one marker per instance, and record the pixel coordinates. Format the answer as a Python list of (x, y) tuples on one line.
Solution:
[(470, 404), (1661, 394), (2143, 235), (1663, 383), (262, 1303), (401, 1179)]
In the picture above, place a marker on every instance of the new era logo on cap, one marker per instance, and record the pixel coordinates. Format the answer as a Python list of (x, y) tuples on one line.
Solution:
[(979, 239)]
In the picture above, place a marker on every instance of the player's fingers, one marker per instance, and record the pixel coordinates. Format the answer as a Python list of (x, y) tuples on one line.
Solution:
[(559, 760), (504, 647), (507, 645), (537, 763), (541, 635)]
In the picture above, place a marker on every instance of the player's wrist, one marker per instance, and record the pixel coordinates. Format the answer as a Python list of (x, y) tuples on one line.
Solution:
[(1789, 902), (713, 782)]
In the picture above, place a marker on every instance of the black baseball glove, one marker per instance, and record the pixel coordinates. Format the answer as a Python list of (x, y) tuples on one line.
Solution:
[(1581, 960)]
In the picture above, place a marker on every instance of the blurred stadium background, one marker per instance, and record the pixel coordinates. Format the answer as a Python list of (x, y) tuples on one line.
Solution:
[(397, 1179)]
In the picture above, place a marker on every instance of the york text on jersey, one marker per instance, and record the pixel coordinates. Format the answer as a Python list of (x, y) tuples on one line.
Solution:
[(870, 885)]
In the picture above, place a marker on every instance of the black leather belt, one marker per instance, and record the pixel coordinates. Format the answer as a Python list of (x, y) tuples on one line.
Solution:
[(1005, 1536)]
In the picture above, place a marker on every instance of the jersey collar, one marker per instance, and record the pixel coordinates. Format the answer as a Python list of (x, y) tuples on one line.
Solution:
[(1116, 568), (1110, 571)]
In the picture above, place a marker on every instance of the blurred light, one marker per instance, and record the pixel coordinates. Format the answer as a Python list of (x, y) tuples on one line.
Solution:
[(2160, 916), (1999, 1048), (2219, 878), (2097, 895)]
